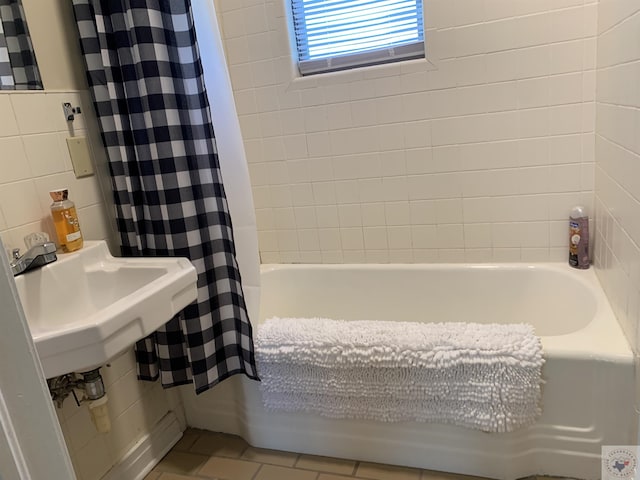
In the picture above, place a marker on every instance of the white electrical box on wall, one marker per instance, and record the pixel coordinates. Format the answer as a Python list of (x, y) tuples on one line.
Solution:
[(80, 156)]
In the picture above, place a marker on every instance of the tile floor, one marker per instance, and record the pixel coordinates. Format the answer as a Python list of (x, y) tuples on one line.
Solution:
[(203, 455)]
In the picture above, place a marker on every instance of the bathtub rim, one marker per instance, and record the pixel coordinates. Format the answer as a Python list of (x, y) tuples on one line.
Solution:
[(602, 338)]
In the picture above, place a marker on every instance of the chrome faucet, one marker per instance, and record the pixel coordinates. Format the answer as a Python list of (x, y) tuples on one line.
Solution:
[(37, 256)]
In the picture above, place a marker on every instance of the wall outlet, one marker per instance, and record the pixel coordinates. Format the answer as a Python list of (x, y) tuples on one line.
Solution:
[(80, 156)]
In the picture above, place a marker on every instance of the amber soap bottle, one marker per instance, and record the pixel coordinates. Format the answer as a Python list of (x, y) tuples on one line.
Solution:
[(65, 220)]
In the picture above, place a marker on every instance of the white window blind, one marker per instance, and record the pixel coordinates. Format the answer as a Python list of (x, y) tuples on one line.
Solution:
[(341, 34)]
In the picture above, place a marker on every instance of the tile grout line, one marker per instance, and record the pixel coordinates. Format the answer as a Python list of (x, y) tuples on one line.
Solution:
[(255, 475)]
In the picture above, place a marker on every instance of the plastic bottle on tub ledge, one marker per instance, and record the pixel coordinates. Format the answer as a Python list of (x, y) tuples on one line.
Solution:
[(579, 238)]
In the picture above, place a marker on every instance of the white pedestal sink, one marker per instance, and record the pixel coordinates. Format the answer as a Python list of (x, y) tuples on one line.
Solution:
[(88, 306)]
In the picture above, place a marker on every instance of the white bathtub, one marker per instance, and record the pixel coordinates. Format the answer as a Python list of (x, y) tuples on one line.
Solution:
[(588, 397)]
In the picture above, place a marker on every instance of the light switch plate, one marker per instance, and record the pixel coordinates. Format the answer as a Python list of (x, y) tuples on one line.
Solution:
[(80, 156)]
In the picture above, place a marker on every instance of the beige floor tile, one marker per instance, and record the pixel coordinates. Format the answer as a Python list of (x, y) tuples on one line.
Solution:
[(152, 476), (271, 472), (330, 476), (326, 464), (175, 476), (433, 475), (377, 471), (219, 445), (272, 457), (181, 462), (229, 469), (186, 442)]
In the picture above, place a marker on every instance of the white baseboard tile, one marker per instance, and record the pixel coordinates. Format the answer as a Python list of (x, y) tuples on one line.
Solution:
[(148, 451)]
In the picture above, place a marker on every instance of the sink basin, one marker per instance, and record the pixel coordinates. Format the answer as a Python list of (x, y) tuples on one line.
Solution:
[(88, 306)]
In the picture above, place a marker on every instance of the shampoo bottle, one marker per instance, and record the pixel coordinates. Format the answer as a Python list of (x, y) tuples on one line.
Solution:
[(65, 220), (579, 238)]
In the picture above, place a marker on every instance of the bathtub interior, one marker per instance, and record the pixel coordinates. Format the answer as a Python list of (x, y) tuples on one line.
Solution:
[(546, 297), (583, 396)]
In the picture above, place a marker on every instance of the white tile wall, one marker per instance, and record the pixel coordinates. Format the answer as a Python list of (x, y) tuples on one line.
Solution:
[(617, 175), (478, 159), (33, 160)]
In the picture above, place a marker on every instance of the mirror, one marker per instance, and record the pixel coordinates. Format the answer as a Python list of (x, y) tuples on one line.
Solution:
[(18, 67)]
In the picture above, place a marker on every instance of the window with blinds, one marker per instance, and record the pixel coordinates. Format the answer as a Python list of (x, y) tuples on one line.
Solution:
[(341, 34)]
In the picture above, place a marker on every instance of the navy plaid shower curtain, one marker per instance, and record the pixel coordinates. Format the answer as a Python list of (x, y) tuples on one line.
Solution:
[(145, 75)]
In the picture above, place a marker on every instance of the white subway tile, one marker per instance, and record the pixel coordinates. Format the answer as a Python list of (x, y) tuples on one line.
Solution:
[(305, 217), (349, 215), (277, 173), (534, 61), (487, 183), (377, 256), (506, 235), (270, 124), (567, 57), (263, 73), (488, 155), (364, 113), (401, 256), (284, 218), (327, 216), (393, 163), (392, 137), (441, 185), (347, 191), (470, 70), (448, 255), (352, 238), (418, 160), (450, 236), (373, 214), (233, 21), (330, 239), (324, 193), (293, 121), (423, 236), (568, 24), (315, 119), (237, 50), (13, 160), (37, 113), (20, 204), (339, 116), (534, 122), (503, 66), (375, 238), (260, 47), (273, 149), (8, 122), (534, 234), (477, 235), (287, 240), (318, 145), (399, 237), (280, 195), (534, 254), (478, 255), (308, 240), (425, 255), (397, 213), (533, 92), (394, 188), (332, 257), (423, 212), (478, 210), (417, 134)]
